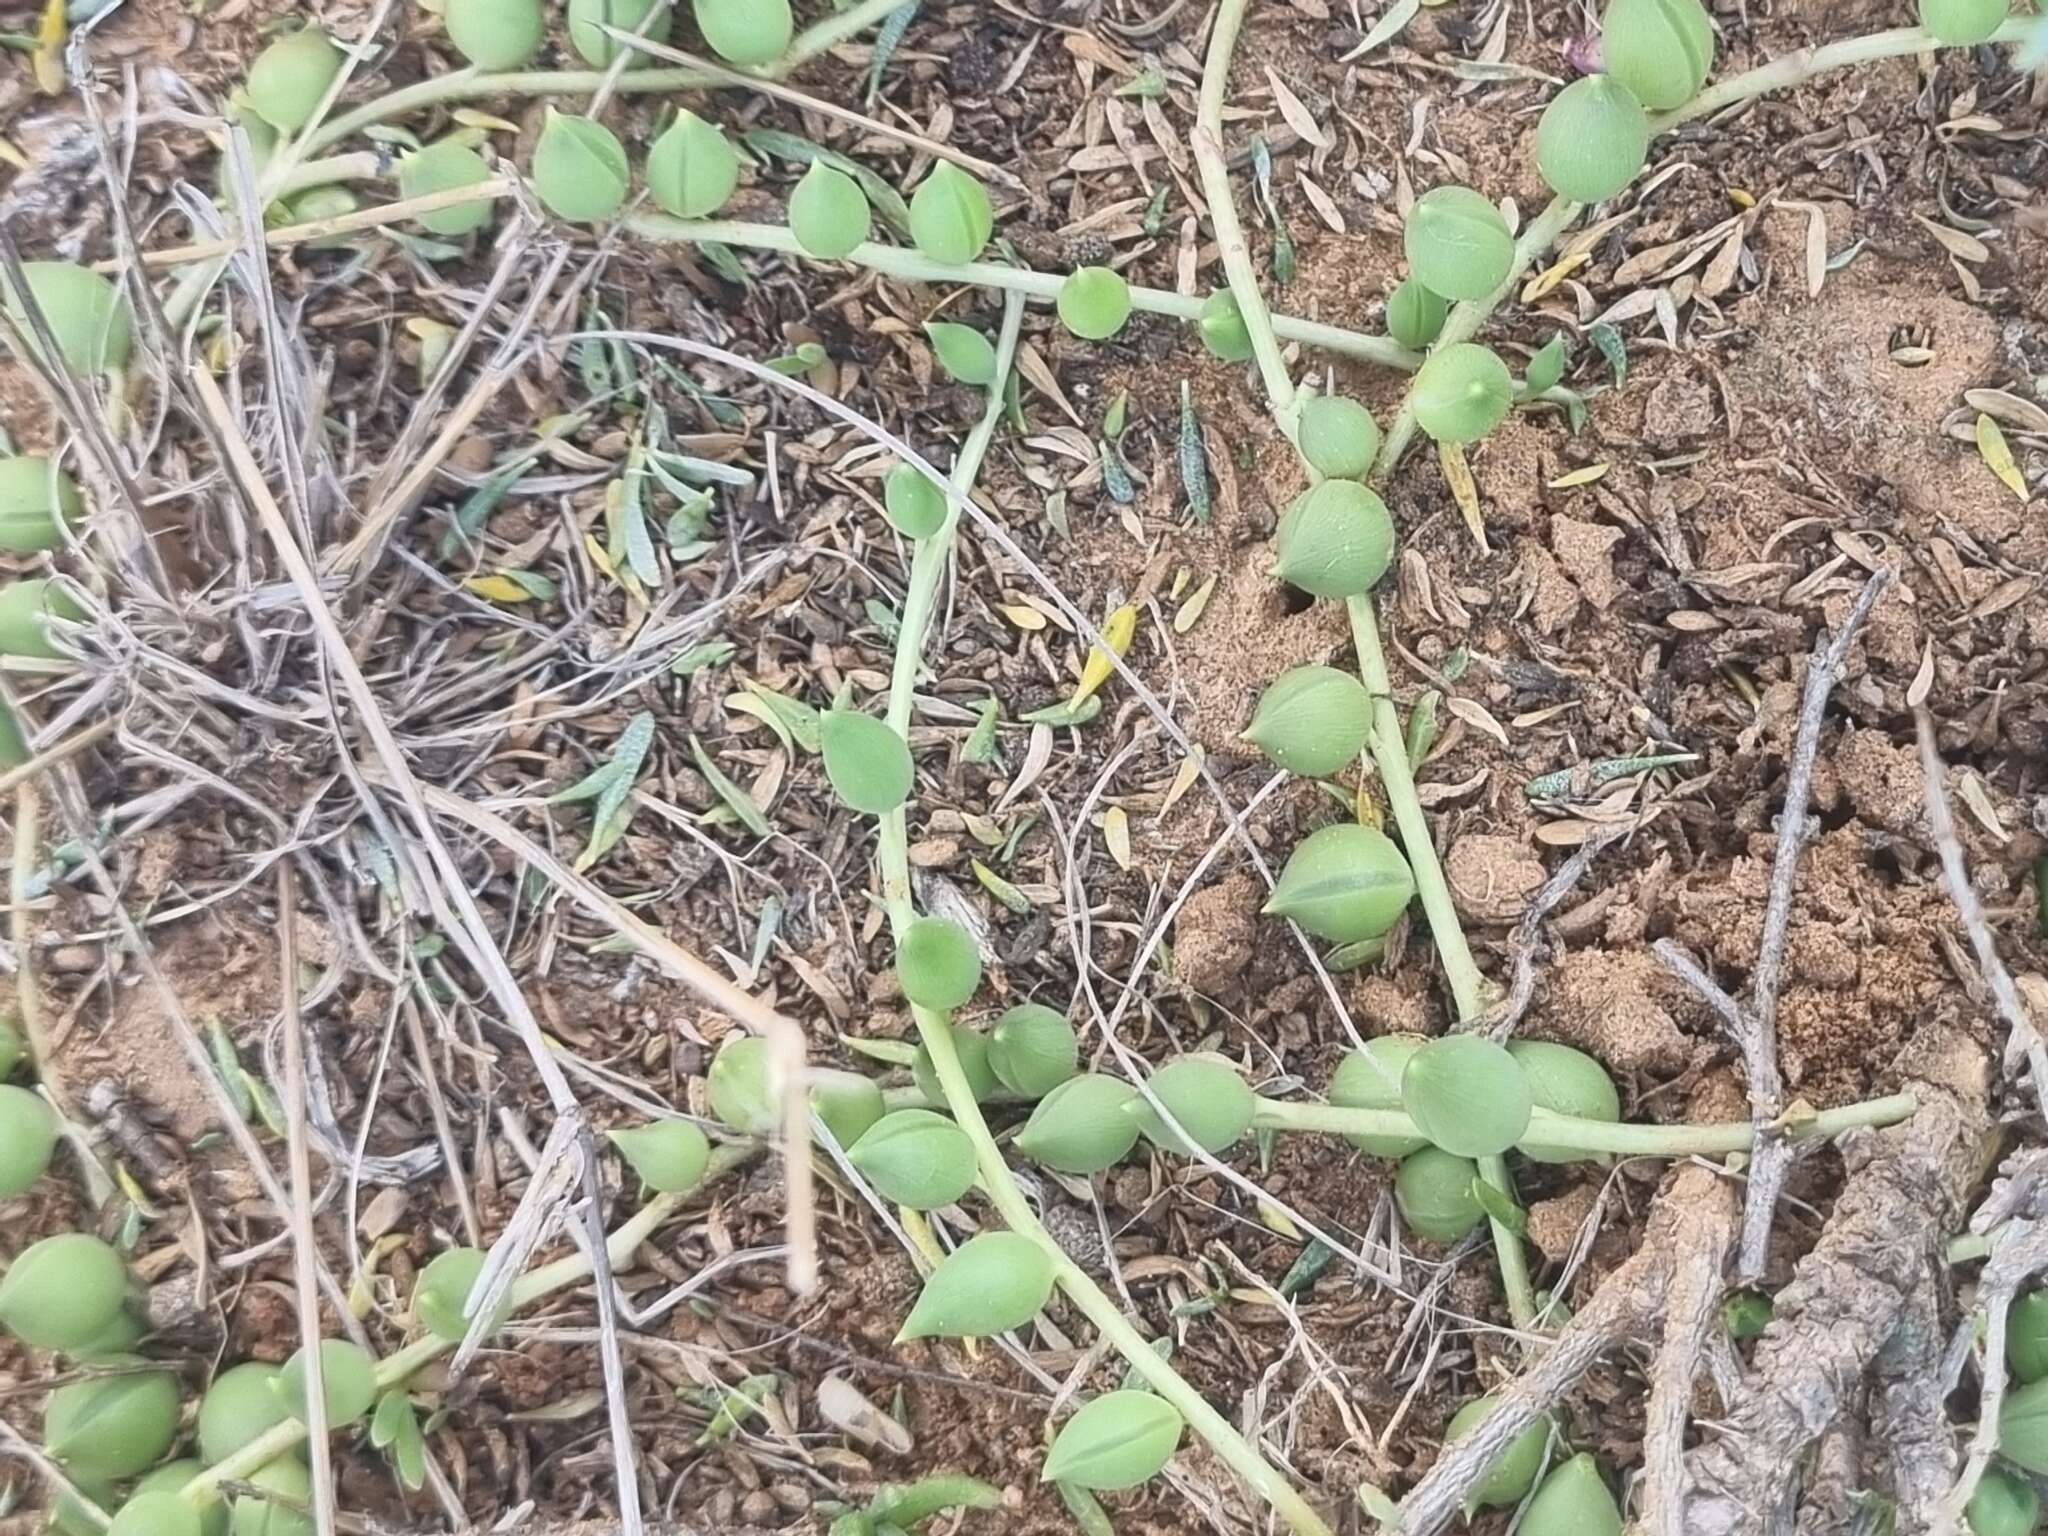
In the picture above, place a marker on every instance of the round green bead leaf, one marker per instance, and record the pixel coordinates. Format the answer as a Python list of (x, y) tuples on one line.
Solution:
[(1592, 139), (597, 48), (174, 1475), (579, 169), (1117, 1440), (290, 76), (1565, 1082), (37, 499), (1958, 22), (1371, 1079), (1205, 1097), (348, 1382), (1457, 243), (916, 508), (1222, 327), (1433, 1189), (87, 317), (937, 964), (63, 1292), (917, 1158), (1338, 437), (28, 1136), (950, 215), (26, 608), (866, 760), (1462, 393), (1335, 541), (848, 1102), (444, 167), (1312, 721), (970, 1046), (1661, 50), (963, 352), (325, 203), (112, 1426), (288, 1478), (2003, 1505), (1745, 1314), (155, 1514), (1082, 1126), (740, 1086), (1467, 1095), (241, 1404), (442, 1291), (1033, 1049), (1094, 303), (746, 32), (1344, 883), (670, 1156), (1510, 1475), (1415, 314), (988, 1284), (692, 169), (1573, 1501), (495, 34), (68, 1516), (828, 212), (2023, 1426), (2026, 1336)]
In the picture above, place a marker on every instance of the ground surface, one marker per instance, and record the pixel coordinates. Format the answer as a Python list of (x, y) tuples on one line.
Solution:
[(1776, 436)]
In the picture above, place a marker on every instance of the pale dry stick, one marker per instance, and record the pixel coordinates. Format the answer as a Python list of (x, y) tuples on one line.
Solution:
[(355, 222), (2018, 1253), (444, 1128), (1691, 1312), (299, 1174), (26, 835), (64, 750), (58, 1479)]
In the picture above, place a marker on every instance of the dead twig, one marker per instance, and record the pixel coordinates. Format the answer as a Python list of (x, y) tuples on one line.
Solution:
[(1529, 945), (1692, 1309)]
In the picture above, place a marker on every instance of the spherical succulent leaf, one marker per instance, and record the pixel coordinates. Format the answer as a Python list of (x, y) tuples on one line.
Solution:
[(579, 169), (740, 1087), (1573, 1501), (1511, 1474), (1415, 314), (2026, 1336), (828, 212), (288, 1478), (849, 1103), (1457, 243), (670, 1156), (1094, 303), (1335, 541), (348, 1382), (1592, 139), (112, 1426), (1338, 437), (1662, 50), (916, 508), (1312, 721), (290, 77), (1433, 1189), (26, 608), (495, 34), (87, 316), (67, 1515), (28, 1137), (867, 761), (1345, 883), (174, 1475), (444, 167), (1206, 1098), (1461, 393), (1081, 1127), (1033, 1049), (989, 1284), (2023, 1426), (37, 500), (1565, 1082), (118, 1338), (970, 1048), (155, 1514), (965, 354), (240, 1404), (692, 168), (1117, 1440), (1957, 22), (442, 1291), (586, 17), (2003, 1505), (63, 1292), (937, 964), (1467, 1095), (1371, 1079), (1222, 328), (951, 218), (916, 1157), (320, 203), (1745, 1314), (746, 32)]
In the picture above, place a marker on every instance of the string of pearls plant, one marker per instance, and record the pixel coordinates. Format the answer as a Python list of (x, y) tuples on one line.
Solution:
[(1449, 1110)]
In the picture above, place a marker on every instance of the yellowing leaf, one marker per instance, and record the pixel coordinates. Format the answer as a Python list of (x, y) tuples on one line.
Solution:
[(1546, 280), (1276, 1220), (1740, 198), (1997, 454), (498, 589), (1584, 476), (1458, 476), (1117, 631), (1023, 615), (12, 155), (598, 557), (470, 117), (1183, 781), (1116, 831), (48, 60), (1189, 612)]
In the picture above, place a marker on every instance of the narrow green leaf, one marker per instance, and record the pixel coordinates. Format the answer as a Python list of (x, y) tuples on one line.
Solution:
[(734, 797)]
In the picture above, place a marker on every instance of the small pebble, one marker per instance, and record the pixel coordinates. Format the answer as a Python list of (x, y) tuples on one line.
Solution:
[(758, 1507)]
